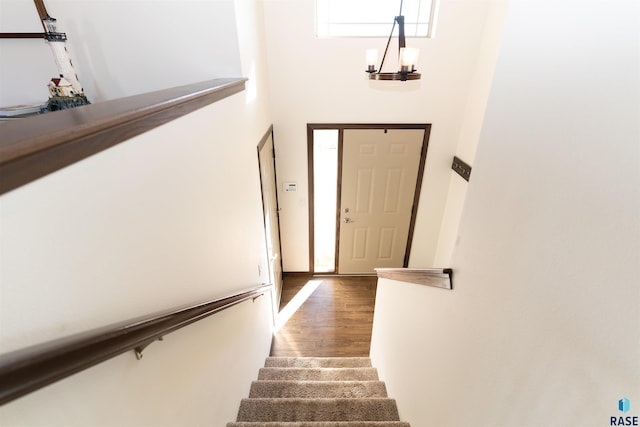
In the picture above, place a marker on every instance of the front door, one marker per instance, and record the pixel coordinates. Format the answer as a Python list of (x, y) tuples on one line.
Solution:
[(266, 158), (379, 174)]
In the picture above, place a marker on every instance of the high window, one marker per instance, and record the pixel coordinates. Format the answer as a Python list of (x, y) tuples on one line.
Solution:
[(373, 18)]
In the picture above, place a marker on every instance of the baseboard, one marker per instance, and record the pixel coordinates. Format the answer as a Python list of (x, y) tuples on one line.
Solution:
[(297, 274)]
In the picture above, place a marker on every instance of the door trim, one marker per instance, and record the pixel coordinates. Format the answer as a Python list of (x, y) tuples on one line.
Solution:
[(261, 144), (341, 127)]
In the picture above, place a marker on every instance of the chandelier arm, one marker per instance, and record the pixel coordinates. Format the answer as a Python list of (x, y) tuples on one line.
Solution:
[(387, 48)]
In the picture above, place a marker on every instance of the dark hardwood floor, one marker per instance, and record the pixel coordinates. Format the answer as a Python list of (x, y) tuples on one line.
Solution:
[(334, 320)]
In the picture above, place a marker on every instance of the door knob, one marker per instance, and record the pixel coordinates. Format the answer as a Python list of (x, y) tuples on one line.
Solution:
[(348, 220)]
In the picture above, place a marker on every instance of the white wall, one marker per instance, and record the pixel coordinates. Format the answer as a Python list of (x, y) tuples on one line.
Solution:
[(470, 129), (147, 225), (170, 217), (323, 80), (119, 48), (195, 377), (542, 327)]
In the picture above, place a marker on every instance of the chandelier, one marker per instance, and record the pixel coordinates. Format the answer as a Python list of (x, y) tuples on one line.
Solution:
[(408, 57)]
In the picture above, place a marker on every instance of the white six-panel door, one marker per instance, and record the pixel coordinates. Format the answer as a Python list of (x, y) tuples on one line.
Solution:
[(379, 175)]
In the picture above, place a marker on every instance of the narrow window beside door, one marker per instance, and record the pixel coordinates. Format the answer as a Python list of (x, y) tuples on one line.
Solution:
[(325, 166)]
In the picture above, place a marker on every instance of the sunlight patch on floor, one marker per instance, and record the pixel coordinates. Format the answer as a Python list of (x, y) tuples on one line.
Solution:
[(296, 302)]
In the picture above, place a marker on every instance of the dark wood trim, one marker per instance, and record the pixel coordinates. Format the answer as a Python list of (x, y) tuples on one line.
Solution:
[(341, 127), (311, 197), (416, 196), (24, 371), (36, 146), (265, 138), (311, 186), (367, 125), (336, 266), (22, 35), (437, 277), (261, 144)]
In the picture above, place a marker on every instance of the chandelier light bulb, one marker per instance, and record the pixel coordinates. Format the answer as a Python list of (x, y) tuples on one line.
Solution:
[(372, 60), (408, 58)]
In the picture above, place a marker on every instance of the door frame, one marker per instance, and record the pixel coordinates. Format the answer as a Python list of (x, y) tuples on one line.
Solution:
[(277, 289), (340, 127)]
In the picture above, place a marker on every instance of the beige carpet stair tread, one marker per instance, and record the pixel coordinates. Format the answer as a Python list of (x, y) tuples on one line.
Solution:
[(321, 424), (316, 389), (318, 374), (266, 409), (318, 392)]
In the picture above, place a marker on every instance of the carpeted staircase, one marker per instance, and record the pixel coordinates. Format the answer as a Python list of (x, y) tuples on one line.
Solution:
[(318, 392)]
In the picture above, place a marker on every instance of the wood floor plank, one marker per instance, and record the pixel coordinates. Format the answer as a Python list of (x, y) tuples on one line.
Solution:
[(334, 321)]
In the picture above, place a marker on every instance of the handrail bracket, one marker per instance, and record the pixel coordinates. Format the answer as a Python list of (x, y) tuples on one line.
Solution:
[(139, 349)]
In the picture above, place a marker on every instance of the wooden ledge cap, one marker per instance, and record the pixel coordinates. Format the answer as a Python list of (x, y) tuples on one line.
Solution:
[(437, 277)]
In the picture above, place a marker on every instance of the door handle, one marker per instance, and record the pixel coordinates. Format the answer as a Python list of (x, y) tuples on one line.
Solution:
[(348, 220)]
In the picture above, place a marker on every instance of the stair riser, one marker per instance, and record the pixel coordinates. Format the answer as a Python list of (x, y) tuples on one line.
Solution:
[(317, 362), (312, 389)]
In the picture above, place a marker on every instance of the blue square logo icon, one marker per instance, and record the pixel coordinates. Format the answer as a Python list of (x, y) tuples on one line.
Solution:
[(623, 404)]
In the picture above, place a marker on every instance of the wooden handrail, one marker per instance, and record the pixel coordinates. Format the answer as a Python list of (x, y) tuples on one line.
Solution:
[(32, 368), (437, 277), (22, 35), (36, 146)]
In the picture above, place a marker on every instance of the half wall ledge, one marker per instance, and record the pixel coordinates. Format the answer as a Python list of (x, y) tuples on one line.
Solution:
[(33, 147), (437, 277)]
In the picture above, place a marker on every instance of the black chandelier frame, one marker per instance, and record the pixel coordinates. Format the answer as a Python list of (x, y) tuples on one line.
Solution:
[(404, 74)]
